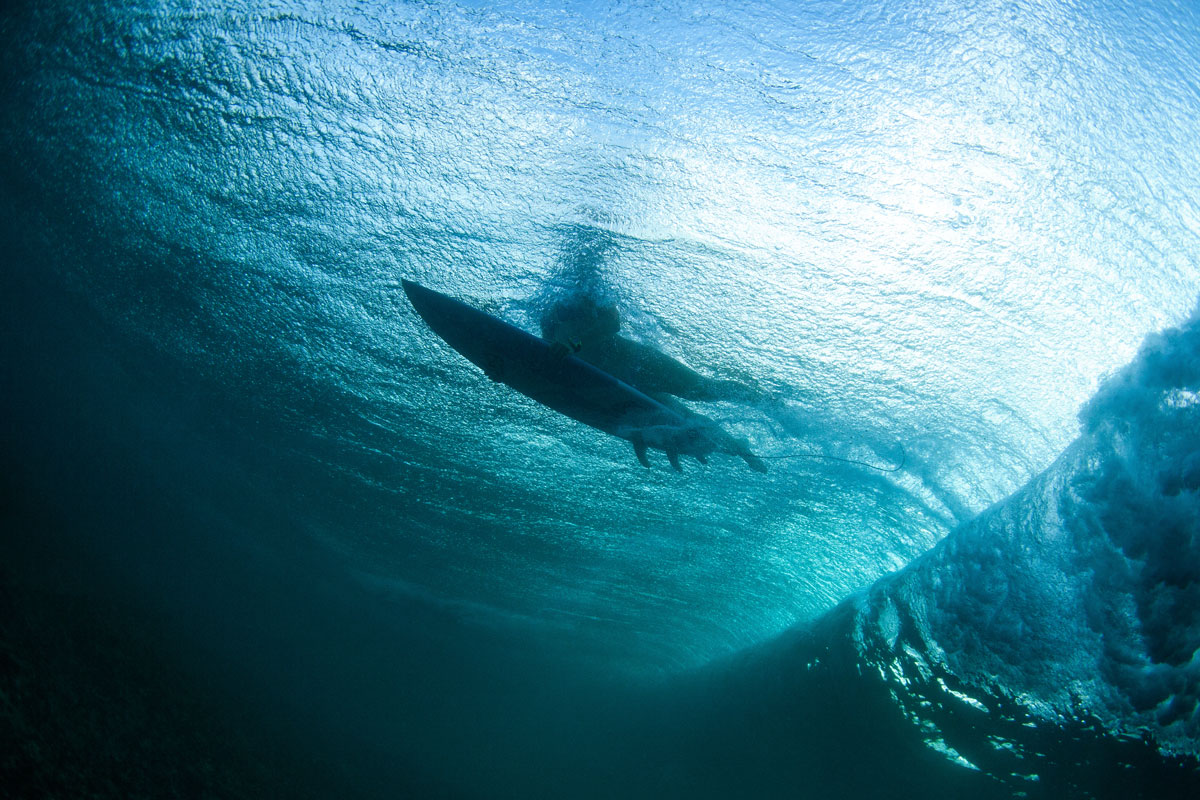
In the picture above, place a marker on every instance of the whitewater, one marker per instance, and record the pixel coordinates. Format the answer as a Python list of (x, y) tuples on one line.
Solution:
[(265, 534)]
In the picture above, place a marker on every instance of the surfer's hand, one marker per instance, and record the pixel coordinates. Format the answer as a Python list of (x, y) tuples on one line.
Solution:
[(559, 351)]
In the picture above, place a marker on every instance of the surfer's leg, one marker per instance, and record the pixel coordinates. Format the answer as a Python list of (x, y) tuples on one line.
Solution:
[(709, 390), (690, 385), (658, 373)]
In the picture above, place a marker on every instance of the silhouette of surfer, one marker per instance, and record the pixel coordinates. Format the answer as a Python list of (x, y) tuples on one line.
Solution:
[(578, 314), (590, 329)]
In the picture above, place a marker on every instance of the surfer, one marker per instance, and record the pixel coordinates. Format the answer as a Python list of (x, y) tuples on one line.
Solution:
[(590, 329)]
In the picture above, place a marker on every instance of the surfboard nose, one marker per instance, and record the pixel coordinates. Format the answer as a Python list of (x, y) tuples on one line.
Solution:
[(429, 304), (413, 288)]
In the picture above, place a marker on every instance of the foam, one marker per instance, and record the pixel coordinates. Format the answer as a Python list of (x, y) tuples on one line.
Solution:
[(1079, 596)]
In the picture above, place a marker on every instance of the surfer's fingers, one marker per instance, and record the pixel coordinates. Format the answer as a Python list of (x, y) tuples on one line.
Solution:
[(559, 351)]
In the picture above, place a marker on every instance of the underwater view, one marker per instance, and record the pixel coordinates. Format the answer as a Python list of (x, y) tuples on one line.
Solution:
[(596, 400)]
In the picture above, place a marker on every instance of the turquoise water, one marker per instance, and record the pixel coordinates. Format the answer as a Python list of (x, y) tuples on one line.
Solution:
[(249, 486)]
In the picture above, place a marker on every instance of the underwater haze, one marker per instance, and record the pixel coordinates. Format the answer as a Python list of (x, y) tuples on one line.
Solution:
[(265, 534)]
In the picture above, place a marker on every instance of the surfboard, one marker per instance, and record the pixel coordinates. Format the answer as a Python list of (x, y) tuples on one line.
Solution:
[(559, 381)]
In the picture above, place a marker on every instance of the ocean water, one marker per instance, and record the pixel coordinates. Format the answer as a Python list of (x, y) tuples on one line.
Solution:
[(264, 534)]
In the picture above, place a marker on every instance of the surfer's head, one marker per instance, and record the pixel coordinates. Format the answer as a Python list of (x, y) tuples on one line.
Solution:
[(608, 319), (581, 317)]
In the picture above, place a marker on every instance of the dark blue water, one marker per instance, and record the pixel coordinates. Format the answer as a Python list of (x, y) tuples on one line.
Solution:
[(264, 534)]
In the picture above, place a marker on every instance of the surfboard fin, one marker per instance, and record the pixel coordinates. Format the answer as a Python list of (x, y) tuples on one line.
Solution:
[(673, 457), (639, 448)]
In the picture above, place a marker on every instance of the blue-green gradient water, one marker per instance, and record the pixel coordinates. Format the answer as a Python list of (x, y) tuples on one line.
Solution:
[(266, 535)]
